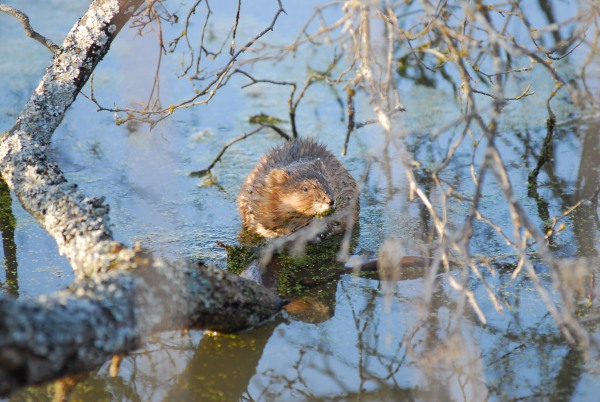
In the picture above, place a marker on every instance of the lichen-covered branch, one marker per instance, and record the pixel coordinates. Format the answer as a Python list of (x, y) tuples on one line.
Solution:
[(79, 224), (81, 327), (124, 294)]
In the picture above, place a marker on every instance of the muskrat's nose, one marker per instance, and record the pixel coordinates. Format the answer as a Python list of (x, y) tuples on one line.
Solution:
[(331, 202)]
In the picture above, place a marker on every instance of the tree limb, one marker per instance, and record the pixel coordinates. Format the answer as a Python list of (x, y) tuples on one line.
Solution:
[(79, 224), (81, 327), (106, 312)]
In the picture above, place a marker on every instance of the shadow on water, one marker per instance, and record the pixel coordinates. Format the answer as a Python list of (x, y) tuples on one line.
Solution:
[(222, 359), (581, 203), (587, 218), (7, 227)]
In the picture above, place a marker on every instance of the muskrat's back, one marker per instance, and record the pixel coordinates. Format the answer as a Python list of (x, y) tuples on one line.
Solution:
[(294, 183)]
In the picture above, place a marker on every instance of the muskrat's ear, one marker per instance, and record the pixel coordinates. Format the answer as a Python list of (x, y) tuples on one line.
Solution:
[(277, 176)]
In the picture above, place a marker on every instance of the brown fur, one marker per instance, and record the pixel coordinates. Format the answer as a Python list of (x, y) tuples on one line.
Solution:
[(291, 185)]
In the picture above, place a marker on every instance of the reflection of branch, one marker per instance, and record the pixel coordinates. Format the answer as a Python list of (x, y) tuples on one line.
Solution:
[(218, 358), (545, 154), (28, 29), (293, 100), (277, 130), (7, 227), (354, 125), (351, 113), (292, 106), (593, 200)]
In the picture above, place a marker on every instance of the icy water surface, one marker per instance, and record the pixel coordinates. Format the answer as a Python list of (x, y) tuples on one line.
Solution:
[(366, 348)]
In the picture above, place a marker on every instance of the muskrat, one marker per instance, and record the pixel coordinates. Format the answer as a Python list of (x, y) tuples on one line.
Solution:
[(294, 183)]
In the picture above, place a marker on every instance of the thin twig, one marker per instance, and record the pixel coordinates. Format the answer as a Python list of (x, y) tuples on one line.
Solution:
[(53, 47), (204, 172), (235, 25)]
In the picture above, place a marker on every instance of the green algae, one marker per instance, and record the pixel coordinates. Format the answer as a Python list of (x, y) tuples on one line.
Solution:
[(312, 273)]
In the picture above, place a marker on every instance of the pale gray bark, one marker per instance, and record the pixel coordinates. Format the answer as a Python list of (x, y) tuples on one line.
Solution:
[(123, 294), (79, 224), (110, 313)]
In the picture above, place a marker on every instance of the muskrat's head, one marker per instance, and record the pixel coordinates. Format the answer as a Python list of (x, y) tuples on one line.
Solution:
[(301, 190)]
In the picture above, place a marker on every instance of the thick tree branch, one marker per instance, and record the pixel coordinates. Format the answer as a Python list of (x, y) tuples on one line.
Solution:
[(107, 312), (79, 224), (83, 326)]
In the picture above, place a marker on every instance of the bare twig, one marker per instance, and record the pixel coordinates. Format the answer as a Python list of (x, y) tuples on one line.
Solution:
[(204, 172), (235, 25), (53, 47), (201, 96)]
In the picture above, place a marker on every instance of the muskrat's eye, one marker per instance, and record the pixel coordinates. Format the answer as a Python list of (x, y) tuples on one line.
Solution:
[(305, 189)]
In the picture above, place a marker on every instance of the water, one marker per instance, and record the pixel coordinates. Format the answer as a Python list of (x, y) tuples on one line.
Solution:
[(376, 345)]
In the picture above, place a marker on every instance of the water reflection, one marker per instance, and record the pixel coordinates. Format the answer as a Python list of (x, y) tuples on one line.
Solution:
[(375, 346), (375, 340), (7, 227), (586, 219), (222, 367)]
